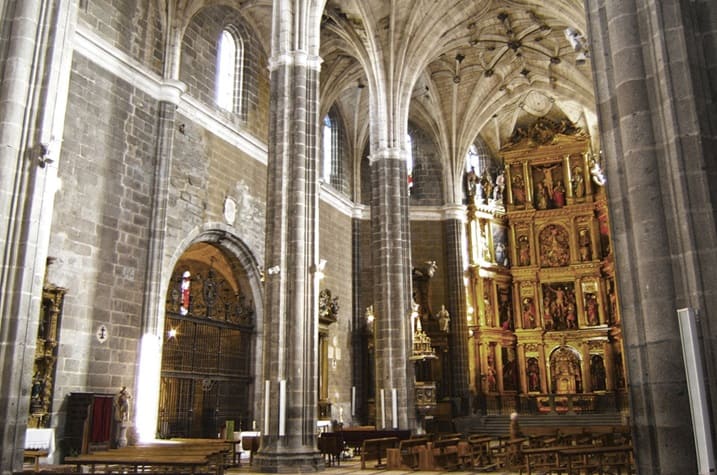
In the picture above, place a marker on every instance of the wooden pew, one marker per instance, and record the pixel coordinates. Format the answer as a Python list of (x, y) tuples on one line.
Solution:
[(445, 453), (480, 450), (376, 449), (410, 449)]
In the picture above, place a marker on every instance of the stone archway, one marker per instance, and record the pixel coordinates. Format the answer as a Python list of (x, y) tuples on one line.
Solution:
[(206, 372)]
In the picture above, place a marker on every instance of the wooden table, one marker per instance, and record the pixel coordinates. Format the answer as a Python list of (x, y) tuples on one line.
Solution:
[(189, 456)]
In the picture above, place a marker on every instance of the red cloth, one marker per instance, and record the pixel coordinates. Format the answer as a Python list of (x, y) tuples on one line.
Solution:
[(101, 419)]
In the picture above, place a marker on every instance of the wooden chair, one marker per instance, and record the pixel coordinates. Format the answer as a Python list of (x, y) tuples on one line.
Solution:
[(331, 446)]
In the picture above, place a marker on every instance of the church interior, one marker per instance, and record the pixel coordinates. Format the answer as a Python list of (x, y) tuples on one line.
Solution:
[(287, 218)]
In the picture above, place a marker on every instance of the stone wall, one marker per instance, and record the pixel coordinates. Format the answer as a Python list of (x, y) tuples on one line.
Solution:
[(427, 244), (335, 246), (100, 228), (199, 62), (133, 27)]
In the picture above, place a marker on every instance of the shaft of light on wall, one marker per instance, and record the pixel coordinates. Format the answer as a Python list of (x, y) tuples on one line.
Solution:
[(147, 393), (267, 399), (699, 401), (282, 407)]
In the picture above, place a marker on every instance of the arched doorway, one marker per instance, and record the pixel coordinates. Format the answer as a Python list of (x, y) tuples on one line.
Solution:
[(207, 345)]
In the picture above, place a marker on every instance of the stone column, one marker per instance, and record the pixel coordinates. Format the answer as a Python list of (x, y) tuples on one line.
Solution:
[(290, 364), (157, 273), (37, 55), (651, 130), (390, 244), (458, 333)]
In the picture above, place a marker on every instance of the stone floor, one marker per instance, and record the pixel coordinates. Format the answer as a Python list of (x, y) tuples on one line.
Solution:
[(353, 467)]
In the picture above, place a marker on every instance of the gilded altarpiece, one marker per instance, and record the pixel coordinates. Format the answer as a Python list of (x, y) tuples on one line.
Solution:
[(543, 314)]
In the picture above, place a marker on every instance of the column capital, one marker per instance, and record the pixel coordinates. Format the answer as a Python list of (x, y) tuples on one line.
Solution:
[(295, 58), (387, 152), (455, 211), (171, 90)]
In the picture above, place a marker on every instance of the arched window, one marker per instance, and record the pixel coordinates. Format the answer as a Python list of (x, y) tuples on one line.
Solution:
[(332, 169), (328, 149), (230, 60)]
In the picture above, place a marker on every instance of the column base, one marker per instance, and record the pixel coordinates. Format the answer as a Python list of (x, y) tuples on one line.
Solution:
[(290, 462)]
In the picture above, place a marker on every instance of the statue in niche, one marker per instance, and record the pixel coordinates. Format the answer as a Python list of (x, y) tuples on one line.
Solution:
[(597, 373), (328, 306), (591, 309), (523, 250), (486, 186), (444, 319), (505, 311), (471, 183), (518, 189), (422, 284), (585, 245), (533, 373), (529, 317), (559, 194), (510, 379), (578, 182), (491, 380), (499, 188)]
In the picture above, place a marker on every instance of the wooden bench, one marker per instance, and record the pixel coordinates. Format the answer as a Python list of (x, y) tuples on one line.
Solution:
[(34, 457), (375, 449), (188, 456)]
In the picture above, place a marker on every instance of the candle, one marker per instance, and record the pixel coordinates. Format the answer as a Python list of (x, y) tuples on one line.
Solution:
[(353, 400), (394, 408), (267, 398), (383, 410), (282, 407)]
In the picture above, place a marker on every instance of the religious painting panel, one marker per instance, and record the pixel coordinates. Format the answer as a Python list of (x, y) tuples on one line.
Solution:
[(500, 244), (548, 187), (510, 373), (559, 306), (554, 242)]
